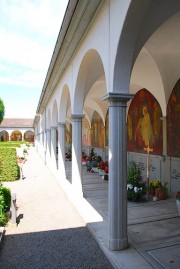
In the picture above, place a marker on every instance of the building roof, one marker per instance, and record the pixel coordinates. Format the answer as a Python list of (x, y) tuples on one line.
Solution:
[(16, 123)]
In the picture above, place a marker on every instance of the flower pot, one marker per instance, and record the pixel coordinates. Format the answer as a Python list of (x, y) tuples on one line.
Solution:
[(178, 205), (105, 177), (152, 192), (160, 194)]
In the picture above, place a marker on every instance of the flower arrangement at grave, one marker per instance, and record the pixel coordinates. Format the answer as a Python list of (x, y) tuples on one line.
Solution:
[(136, 187), (101, 165), (158, 189), (90, 155)]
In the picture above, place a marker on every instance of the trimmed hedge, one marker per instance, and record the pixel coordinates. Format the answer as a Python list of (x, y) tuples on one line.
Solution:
[(5, 203), (12, 144), (9, 169)]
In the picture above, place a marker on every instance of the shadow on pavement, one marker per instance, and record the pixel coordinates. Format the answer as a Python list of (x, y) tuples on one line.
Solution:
[(66, 249)]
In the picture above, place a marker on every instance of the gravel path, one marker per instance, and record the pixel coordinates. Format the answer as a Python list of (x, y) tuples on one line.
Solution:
[(50, 233)]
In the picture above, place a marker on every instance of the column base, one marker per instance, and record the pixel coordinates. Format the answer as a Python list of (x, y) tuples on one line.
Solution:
[(118, 244)]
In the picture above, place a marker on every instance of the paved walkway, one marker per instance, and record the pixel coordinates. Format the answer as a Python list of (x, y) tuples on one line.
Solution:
[(50, 234)]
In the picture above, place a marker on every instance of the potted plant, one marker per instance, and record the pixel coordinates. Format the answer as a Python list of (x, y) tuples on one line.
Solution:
[(136, 188), (161, 191), (102, 166), (178, 201)]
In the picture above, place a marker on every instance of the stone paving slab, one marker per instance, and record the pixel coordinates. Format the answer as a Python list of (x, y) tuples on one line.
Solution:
[(146, 233), (168, 257)]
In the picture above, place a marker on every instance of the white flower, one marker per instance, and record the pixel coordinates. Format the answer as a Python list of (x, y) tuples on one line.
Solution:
[(136, 189), (129, 186)]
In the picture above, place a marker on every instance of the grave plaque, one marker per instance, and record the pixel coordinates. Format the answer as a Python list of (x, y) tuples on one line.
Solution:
[(141, 161), (175, 175)]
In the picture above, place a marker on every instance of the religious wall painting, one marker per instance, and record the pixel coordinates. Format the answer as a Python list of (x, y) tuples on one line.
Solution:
[(86, 133), (16, 136), (68, 133), (4, 136), (144, 124), (173, 122), (98, 131), (107, 129), (29, 136)]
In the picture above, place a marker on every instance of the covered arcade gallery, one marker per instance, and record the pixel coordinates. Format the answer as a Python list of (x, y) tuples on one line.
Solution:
[(113, 84)]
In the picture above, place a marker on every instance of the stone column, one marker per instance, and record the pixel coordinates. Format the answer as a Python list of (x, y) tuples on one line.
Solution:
[(53, 147), (77, 153), (117, 214), (48, 146), (61, 149)]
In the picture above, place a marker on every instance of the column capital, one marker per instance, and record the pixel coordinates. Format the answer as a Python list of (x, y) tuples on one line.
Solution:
[(77, 116), (117, 97), (53, 127), (48, 130), (61, 124)]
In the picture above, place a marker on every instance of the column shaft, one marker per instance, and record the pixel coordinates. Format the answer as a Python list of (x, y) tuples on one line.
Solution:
[(48, 149), (61, 149), (117, 214), (53, 147), (77, 153)]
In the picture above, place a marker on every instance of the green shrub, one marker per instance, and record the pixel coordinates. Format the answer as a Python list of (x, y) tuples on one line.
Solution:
[(9, 170), (5, 203), (11, 144), (7, 198), (136, 188)]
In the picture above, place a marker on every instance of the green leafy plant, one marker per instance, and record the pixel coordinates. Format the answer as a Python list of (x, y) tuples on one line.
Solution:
[(136, 188), (5, 202)]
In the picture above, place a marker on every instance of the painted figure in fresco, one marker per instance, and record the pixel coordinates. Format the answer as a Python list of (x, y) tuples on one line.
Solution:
[(98, 131), (144, 131), (86, 133)]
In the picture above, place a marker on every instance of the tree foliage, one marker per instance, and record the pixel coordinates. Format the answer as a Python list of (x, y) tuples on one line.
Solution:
[(2, 110)]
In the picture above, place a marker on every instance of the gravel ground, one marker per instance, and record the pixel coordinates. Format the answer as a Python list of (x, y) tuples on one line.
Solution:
[(50, 233)]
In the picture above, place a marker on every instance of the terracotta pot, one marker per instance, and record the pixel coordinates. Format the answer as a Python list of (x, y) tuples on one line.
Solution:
[(152, 192), (160, 194), (105, 177)]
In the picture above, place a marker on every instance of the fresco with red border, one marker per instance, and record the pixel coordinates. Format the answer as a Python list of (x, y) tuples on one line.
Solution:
[(29, 136), (16, 136), (86, 134), (68, 133), (144, 124), (97, 131), (4, 136), (173, 122)]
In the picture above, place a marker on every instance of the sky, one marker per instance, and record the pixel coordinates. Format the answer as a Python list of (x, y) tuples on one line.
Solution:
[(28, 34)]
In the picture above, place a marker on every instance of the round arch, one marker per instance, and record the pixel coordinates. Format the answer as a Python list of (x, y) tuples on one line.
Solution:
[(54, 120), (90, 82), (137, 30), (4, 135), (29, 136), (16, 136), (65, 104), (49, 118)]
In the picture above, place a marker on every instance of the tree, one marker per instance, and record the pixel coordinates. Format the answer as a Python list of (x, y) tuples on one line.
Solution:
[(2, 110)]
